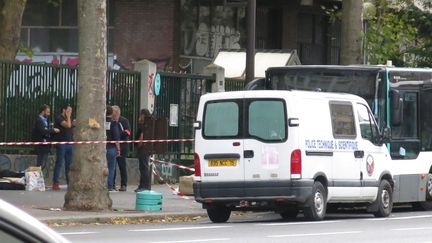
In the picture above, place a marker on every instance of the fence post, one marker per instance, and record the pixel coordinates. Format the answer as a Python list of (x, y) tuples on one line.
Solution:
[(219, 72), (148, 74)]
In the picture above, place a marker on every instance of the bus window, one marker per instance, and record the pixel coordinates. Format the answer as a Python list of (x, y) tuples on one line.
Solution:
[(426, 120), (408, 128)]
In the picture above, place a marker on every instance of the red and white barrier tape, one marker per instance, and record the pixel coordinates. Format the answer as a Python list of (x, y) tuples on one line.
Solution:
[(174, 190), (175, 165), (94, 142)]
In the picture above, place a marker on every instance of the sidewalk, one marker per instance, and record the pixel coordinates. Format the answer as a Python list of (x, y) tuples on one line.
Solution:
[(47, 207)]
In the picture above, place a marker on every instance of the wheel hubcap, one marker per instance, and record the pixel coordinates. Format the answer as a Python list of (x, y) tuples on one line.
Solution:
[(319, 202), (385, 196), (429, 186)]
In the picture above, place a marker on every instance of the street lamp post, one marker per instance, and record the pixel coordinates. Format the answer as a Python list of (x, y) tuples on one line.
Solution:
[(250, 52)]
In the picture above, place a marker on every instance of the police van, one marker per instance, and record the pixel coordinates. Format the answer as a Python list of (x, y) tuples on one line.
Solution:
[(289, 151)]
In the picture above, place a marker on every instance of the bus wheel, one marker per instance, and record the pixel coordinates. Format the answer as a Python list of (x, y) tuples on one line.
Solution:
[(316, 205), (384, 200), (427, 205), (429, 188), (289, 213), (219, 214)]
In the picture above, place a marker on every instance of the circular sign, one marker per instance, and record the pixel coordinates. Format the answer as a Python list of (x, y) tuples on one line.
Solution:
[(5, 162), (370, 165), (157, 84)]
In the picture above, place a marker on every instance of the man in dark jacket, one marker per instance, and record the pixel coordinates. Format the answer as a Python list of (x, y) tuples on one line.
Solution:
[(64, 123), (42, 133), (113, 149), (125, 132)]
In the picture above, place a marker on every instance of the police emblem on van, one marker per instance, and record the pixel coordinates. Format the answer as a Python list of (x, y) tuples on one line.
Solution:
[(370, 165)]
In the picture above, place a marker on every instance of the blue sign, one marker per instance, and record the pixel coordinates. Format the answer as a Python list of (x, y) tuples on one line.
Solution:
[(157, 84)]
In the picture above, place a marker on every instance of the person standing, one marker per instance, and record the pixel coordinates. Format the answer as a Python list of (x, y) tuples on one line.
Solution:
[(42, 133), (142, 153), (64, 151), (124, 147), (112, 149)]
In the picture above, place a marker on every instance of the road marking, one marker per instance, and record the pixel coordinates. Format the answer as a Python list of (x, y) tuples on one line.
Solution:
[(179, 229), (315, 234), (406, 229), (200, 240), (401, 218), (78, 233), (299, 223)]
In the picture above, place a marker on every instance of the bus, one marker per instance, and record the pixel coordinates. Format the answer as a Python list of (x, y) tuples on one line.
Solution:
[(401, 101)]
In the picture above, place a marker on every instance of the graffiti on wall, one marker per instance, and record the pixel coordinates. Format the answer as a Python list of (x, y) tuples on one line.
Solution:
[(207, 29)]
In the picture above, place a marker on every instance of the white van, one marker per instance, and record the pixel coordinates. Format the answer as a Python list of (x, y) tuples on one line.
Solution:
[(287, 151)]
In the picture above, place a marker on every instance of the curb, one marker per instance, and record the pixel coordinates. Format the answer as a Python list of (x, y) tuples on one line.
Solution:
[(122, 219)]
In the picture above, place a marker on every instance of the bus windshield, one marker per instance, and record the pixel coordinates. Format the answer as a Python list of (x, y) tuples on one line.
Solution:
[(366, 83), (361, 83)]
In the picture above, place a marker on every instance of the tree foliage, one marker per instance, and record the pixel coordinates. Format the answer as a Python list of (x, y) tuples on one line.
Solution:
[(400, 31)]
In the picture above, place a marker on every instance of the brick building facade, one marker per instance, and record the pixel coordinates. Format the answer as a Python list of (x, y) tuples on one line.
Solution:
[(183, 34)]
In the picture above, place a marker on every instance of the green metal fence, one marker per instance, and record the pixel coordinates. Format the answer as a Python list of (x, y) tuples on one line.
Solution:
[(185, 91), (24, 87), (234, 84)]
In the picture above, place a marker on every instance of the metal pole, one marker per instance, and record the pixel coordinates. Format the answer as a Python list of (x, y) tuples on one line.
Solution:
[(250, 52)]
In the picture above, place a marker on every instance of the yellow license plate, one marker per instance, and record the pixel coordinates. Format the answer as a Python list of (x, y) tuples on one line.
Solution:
[(222, 162)]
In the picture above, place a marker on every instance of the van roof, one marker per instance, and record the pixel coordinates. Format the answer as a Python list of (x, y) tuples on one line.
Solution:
[(281, 93)]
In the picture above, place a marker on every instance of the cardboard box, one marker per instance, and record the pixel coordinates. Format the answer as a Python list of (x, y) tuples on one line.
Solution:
[(186, 185)]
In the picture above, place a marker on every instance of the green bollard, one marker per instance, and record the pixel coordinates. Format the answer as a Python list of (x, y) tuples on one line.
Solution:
[(148, 201)]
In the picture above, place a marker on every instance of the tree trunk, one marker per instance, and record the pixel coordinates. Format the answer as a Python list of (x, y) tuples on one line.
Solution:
[(11, 12), (88, 176), (352, 32)]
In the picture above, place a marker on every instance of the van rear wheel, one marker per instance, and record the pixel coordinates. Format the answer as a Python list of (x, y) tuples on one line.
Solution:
[(317, 203), (384, 200), (219, 214)]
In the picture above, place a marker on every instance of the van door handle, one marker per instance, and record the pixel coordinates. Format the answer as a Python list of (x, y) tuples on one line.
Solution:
[(248, 154), (359, 154)]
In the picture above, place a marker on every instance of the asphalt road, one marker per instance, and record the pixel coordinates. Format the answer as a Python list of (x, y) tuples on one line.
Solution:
[(403, 226)]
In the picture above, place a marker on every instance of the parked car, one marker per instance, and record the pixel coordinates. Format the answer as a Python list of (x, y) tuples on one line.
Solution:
[(18, 226)]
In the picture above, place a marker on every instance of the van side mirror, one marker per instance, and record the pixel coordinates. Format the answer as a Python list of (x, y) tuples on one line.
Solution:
[(396, 107), (386, 135)]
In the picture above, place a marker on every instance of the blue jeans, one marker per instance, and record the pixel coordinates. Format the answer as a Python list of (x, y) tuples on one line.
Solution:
[(64, 156), (111, 160)]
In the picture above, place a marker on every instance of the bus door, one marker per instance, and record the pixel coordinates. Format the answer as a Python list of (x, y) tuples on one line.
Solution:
[(405, 143)]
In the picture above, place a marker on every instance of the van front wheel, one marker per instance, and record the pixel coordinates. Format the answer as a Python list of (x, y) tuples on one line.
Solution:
[(384, 200), (219, 214), (317, 203)]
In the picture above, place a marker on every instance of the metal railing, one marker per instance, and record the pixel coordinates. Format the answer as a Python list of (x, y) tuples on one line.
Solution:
[(24, 87), (185, 91), (234, 84)]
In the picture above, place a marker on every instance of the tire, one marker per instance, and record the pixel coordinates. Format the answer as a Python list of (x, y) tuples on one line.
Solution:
[(316, 205), (219, 214), (384, 200), (429, 188), (289, 213)]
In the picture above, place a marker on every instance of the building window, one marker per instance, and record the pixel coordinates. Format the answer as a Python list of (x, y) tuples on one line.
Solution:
[(52, 27)]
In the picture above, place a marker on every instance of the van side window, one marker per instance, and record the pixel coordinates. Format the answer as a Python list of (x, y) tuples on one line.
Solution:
[(368, 127), (342, 117), (267, 120), (221, 119)]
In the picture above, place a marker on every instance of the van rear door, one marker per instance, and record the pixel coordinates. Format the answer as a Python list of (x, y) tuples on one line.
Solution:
[(265, 150), (221, 145)]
